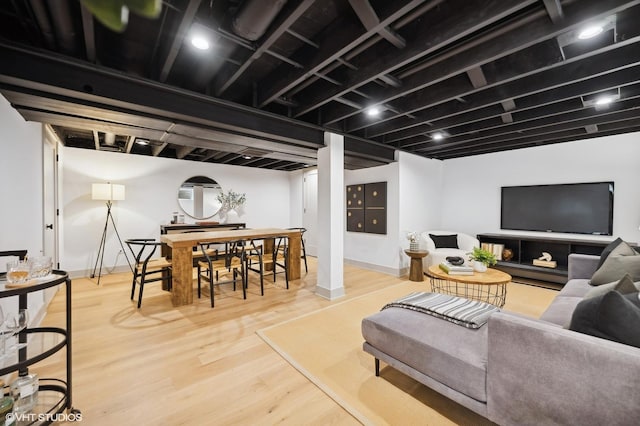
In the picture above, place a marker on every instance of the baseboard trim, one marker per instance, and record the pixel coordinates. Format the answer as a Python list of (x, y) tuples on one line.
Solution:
[(396, 272), (330, 294), (86, 273)]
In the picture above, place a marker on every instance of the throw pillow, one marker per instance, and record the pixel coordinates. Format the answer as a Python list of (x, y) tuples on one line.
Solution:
[(622, 259), (445, 241), (607, 250), (624, 286), (612, 316)]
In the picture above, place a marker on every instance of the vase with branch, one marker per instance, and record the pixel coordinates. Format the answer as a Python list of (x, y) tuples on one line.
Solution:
[(230, 203), (414, 245)]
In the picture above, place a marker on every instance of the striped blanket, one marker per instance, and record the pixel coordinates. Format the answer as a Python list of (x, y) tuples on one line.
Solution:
[(461, 311)]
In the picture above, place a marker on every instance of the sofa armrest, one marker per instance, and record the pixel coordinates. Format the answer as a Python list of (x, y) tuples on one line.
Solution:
[(539, 373), (467, 242), (582, 265), (428, 242)]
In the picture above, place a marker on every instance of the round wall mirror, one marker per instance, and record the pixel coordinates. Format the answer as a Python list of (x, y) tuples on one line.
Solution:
[(198, 197)]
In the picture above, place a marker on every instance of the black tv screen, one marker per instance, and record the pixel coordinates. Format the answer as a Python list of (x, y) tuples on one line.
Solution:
[(579, 208)]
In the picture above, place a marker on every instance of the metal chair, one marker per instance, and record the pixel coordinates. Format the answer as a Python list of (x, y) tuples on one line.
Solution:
[(280, 258), (213, 268), (147, 268), (304, 250)]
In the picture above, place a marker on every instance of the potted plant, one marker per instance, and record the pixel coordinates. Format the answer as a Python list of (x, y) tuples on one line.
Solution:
[(482, 259)]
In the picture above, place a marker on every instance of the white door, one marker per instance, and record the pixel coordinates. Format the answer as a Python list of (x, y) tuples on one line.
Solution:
[(49, 202), (310, 212)]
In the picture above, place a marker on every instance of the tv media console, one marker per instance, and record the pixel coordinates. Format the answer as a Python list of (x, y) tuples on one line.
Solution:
[(527, 248)]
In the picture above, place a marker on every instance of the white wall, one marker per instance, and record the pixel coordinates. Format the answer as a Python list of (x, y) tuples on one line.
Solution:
[(21, 196), (420, 193), (151, 196), (414, 187), (471, 189), (21, 188), (296, 194)]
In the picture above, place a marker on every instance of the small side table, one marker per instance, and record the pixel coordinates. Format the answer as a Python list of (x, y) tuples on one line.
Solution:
[(415, 269)]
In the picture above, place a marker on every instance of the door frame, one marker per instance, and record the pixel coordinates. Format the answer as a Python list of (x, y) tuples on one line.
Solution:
[(50, 201)]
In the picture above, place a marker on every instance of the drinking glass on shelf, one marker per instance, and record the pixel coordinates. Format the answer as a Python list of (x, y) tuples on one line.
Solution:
[(18, 271), (15, 323), (40, 266)]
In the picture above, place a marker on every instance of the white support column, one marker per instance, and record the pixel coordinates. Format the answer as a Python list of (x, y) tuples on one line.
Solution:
[(331, 217)]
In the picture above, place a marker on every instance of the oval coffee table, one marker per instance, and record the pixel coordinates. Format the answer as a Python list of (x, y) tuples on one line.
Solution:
[(489, 286)]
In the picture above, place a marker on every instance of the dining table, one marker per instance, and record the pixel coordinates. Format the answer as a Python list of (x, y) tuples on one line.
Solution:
[(182, 254)]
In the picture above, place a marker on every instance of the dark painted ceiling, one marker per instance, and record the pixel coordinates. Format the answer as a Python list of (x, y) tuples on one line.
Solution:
[(487, 75)]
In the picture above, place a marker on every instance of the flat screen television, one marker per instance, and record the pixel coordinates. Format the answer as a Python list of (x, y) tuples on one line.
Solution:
[(578, 208)]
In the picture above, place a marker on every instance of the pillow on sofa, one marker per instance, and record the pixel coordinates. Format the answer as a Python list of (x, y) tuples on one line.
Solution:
[(624, 286), (612, 316), (445, 241), (607, 250), (622, 259)]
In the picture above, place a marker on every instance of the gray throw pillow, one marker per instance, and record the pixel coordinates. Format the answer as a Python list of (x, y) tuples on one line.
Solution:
[(624, 286), (612, 316), (622, 260), (608, 249)]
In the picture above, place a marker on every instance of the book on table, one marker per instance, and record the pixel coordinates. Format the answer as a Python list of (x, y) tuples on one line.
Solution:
[(456, 269)]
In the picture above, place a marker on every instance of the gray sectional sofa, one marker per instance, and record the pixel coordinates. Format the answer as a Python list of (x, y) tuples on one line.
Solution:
[(515, 370)]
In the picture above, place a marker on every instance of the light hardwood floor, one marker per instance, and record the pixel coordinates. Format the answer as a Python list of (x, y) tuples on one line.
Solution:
[(194, 365)]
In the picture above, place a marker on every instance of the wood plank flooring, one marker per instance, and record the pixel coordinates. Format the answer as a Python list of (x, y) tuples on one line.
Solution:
[(194, 365)]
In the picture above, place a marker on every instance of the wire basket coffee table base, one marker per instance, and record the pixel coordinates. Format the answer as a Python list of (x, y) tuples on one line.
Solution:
[(495, 294), (489, 287)]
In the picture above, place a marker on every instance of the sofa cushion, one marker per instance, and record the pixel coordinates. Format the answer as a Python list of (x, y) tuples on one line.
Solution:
[(611, 316), (608, 249), (445, 241), (624, 286), (453, 355), (577, 287), (561, 309), (623, 259)]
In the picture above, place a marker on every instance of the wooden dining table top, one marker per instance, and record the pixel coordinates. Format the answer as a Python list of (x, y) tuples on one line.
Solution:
[(191, 239)]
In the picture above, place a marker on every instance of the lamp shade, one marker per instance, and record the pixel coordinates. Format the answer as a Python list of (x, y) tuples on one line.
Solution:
[(107, 191)]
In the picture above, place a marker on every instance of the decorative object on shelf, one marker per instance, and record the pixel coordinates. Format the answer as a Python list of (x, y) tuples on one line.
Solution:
[(546, 261), (231, 201), (455, 260), (482, 259), (41, 266), (452, 269), (107, 192), (414, 245), (6, 404), (24, 390), (14, 323), (18, 271), (507, 254), (495, 248)]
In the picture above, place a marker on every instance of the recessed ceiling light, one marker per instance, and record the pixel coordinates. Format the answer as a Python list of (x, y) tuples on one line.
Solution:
[(142, 142), (590, 32), (373, 111), (247, 157), (200, 42), (604, 100), (437, 136)]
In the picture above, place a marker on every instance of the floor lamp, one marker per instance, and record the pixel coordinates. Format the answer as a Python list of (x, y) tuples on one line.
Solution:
[(107, 192)]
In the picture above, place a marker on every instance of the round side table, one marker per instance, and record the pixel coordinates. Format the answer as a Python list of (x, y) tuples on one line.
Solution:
[(415, 268)]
